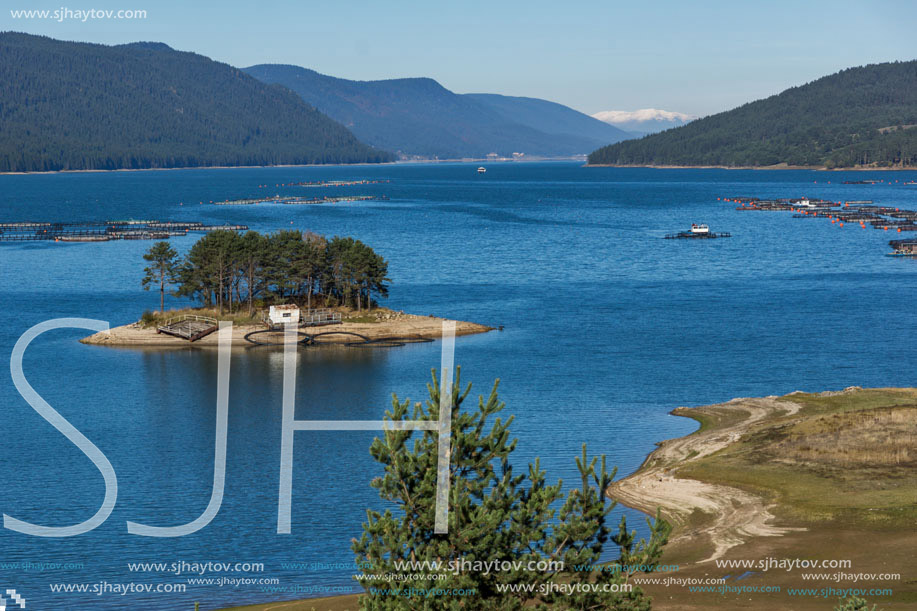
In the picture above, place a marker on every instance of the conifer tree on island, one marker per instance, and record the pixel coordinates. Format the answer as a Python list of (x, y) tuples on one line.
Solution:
[(162, 271), (494, 515), (230, 270)]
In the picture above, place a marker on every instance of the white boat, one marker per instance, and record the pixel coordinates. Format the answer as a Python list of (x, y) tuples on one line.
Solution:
[(481, 170), (698, 231)]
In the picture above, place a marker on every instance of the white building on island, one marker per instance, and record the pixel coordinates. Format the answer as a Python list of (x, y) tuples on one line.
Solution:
[(283, 314)]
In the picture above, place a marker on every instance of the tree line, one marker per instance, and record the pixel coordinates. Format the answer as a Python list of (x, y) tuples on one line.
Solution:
[(231, 271)]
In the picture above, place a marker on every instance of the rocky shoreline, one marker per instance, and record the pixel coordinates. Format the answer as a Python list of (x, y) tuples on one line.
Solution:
[(387, 324)]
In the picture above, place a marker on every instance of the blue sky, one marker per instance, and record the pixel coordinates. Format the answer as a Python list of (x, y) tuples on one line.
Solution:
[(693, 57)]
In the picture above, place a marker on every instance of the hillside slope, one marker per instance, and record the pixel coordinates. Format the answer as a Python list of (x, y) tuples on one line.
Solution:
[(79, 106), (418, 116), (858, 117)]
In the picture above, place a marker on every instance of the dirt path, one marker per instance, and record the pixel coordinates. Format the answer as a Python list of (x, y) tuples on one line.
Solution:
[(738, 515)]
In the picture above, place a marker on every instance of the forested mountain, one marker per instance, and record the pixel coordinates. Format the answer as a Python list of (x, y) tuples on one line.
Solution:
[(864, 116), (418, 116), (78, 106)]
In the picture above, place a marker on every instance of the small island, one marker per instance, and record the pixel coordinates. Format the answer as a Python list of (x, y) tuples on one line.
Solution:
[(333, 285), (380, 324)]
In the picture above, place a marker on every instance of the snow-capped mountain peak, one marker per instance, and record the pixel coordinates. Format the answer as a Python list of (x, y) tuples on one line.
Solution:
[(645, 120)]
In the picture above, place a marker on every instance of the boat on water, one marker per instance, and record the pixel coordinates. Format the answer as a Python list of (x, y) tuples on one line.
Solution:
[(697, 231), (481, 170)]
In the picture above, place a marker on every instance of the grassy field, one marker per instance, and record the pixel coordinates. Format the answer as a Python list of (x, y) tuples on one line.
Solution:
[(849, 457), (843, 470)]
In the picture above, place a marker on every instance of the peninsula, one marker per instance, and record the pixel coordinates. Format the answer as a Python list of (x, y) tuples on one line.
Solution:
[(824, 476)]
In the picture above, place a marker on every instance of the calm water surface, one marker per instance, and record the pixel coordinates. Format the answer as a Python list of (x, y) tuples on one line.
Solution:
[(607, 328)]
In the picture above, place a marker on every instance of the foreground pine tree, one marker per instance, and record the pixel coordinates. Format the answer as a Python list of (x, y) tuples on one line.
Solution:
[(494, 515)]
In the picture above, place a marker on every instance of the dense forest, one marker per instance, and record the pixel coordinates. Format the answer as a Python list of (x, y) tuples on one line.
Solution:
[(79, 106), (233, 271), (863, 116)]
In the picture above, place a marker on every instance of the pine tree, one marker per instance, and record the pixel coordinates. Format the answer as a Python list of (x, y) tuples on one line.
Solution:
[(494, 516), (253, 247), (163, 271), (854, 603), (284, 266)]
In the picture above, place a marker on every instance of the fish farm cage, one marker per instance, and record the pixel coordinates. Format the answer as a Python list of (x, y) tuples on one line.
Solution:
[(103, 231)]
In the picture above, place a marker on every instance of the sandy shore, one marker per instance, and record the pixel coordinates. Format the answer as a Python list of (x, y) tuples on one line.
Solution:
[(398, 325), (737, 514)]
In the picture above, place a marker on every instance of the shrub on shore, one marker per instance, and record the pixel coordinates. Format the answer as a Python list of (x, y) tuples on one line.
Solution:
[(495, 518), (854, 603)]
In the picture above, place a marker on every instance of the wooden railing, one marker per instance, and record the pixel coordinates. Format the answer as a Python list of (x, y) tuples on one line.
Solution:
[(320, 316), (184, 317)]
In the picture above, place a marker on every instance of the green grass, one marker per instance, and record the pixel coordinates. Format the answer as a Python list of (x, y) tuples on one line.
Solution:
[(859, 400), (361, 319), (842, 468), (849, 458), (153, 319), (710, 416)]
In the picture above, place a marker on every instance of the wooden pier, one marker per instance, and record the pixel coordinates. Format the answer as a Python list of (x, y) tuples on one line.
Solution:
[(189, 326)]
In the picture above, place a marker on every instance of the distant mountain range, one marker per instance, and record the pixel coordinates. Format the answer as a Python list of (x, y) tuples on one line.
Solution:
[(420, 117), (79, 106), (865, 116), (644, 121)]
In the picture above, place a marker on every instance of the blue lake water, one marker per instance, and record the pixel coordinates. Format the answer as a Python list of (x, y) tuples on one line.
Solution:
[(607, 327)]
